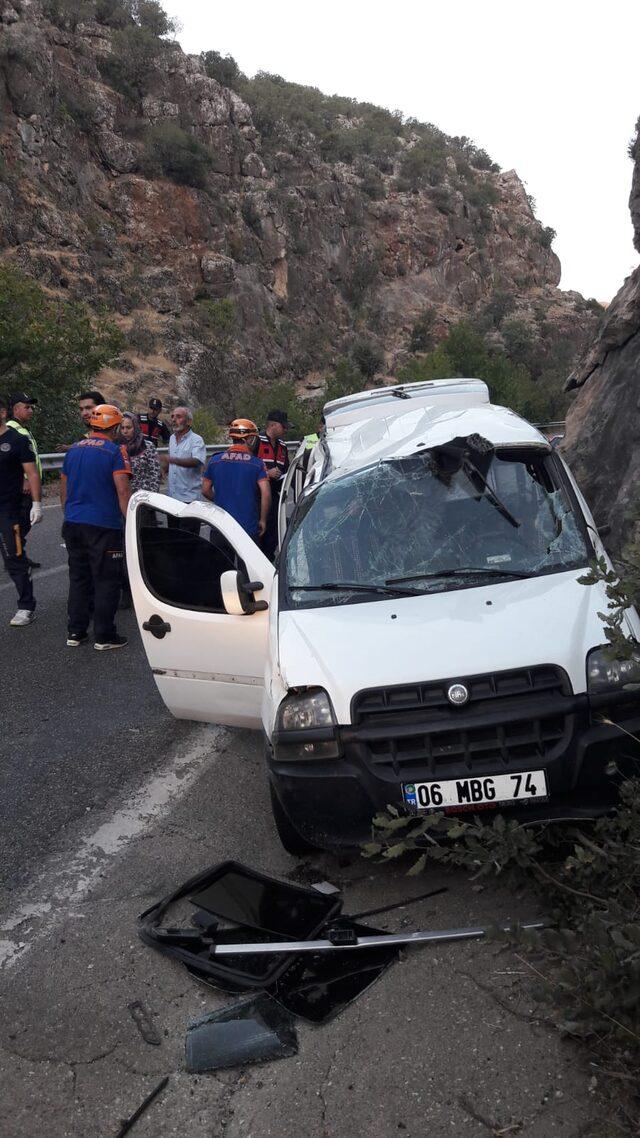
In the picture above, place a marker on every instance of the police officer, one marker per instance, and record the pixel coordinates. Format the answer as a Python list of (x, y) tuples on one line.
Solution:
[(94, 491), (151, 426), (17, 462), (238, 482), (21, 408), (275, 456)]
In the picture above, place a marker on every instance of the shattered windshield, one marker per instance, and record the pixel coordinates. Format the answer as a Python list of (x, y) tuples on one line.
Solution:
[(408, 526)]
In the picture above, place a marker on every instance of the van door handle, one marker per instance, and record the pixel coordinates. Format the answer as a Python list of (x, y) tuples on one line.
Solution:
[(157, 626)]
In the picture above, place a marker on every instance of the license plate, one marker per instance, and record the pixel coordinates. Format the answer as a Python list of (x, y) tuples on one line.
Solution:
[(492, 790)]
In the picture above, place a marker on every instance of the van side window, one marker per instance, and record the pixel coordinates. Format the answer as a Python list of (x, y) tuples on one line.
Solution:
[(182, 559)]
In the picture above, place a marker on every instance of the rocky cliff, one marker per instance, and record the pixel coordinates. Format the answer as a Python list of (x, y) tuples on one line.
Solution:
[(254, 253), (602, 427)]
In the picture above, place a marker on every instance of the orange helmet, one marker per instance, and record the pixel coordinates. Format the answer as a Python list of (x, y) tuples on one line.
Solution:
[(242, 430), (105, 416)]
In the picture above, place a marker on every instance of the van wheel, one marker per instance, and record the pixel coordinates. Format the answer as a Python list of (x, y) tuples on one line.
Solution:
[(292, 841)]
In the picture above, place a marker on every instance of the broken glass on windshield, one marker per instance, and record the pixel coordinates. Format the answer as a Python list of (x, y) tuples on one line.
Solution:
[(411, 519)]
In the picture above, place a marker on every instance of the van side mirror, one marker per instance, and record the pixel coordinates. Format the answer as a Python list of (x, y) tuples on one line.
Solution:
[(237, 594)]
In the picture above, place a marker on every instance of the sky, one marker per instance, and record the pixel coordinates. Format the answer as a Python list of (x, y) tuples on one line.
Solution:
[(549, 89)]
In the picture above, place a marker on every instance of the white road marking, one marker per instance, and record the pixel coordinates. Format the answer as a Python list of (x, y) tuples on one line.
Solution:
[(67, 881), (38, 575)]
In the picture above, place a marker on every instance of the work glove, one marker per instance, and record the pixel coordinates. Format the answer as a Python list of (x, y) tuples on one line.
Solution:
[(35, 514)]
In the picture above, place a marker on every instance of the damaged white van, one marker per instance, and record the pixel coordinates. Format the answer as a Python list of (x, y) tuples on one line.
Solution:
[(424, 639)]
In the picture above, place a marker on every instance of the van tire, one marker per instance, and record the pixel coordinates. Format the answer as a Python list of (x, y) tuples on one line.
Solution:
[(292, 841)]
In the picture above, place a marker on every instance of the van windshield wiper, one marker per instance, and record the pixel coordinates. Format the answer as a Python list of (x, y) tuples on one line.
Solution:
[(475, 475), (356, 587), (468, 571)]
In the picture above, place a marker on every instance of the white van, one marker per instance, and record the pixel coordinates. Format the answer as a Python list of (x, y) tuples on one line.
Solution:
[(423, 640)]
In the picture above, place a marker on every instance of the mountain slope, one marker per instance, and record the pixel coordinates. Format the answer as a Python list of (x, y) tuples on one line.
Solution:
[(247, 236)]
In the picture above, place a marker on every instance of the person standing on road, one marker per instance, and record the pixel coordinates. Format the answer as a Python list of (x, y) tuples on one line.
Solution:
[(146, 472), (187, 456), (17, 462), (237, 480), (151, 426), (20, 414), (275, 456), (94, 492), (87, 402)]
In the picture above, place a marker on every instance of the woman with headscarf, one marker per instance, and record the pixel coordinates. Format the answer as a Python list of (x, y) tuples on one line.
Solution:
[(146, 473), (145, 463)]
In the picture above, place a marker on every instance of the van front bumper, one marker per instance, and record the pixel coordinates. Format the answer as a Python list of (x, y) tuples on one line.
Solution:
[(331, 801)]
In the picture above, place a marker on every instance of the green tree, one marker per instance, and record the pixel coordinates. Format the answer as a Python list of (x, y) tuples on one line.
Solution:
[(464, 353), (221, 67), (53, 349)]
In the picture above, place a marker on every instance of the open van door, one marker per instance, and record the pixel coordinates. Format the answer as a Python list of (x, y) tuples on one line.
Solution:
[(208, 665)]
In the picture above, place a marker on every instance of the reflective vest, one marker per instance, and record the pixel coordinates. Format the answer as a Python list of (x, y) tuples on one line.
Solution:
[(22, 430)]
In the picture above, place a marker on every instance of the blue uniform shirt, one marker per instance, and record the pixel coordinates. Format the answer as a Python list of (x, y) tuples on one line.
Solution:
[(235, 475), (92, 498)]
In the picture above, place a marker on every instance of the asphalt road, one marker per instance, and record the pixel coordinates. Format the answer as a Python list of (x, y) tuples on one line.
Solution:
[(107, 803), (78, 726)]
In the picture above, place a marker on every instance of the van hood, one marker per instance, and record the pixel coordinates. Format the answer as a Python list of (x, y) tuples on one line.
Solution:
[(540, 620)]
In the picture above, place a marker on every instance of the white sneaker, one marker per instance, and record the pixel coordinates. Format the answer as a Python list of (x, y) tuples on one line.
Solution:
[(22, 617)]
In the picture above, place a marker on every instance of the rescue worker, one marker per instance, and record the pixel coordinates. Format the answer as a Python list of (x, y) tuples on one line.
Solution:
[(237, 480), (151, 426), (275, 456), (17, 462), (21, 412), (94, 492)]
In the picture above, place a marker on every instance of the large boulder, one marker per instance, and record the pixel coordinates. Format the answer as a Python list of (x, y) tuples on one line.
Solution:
[(601, 442)]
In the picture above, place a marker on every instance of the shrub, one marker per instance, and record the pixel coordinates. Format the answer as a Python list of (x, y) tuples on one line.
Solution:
[(546, 236), (140, 338), (442, 199), (206, 425), (169, 150), (217, 320), (421, 338), (77, 108), (362, 274), (372, 183), (368, 358), (483, 194), (587, 964), (500, 304), (424, 164), (51, 348)]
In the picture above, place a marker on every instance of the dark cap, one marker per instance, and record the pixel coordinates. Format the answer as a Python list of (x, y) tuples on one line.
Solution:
[(278, 417), (21, 397), (155, 404)]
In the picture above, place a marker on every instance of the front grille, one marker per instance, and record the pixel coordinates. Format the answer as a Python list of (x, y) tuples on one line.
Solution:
[(514, 718)]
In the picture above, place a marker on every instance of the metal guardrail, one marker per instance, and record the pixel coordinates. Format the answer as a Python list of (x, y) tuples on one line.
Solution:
[(54, 461), (51, 462)]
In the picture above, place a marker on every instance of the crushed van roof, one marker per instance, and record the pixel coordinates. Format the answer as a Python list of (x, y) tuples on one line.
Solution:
[(357, 444)]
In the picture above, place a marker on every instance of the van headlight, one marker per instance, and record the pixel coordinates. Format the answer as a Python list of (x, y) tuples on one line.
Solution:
[(310, 709), (606, 675), (306, 727)]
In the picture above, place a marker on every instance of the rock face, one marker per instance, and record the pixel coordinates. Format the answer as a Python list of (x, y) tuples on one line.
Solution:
[(308, 258), (602, 426)]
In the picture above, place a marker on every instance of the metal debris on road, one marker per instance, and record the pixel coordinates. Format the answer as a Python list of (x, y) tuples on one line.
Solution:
[(142, 1019), (131, 1121)]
